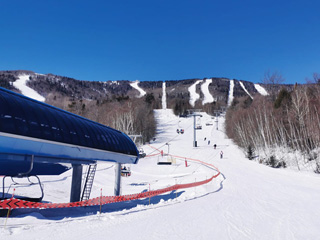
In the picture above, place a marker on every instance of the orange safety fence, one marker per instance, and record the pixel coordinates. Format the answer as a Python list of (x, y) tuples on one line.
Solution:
[(14, 203), (152, 155)]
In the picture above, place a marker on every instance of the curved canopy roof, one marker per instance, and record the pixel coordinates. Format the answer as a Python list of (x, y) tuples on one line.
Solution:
[(28, 119)]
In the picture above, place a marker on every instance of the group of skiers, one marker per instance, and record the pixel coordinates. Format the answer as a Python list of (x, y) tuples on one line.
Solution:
[(215, 147)]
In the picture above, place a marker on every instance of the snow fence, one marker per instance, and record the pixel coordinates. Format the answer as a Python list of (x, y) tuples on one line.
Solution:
[(14, 203)]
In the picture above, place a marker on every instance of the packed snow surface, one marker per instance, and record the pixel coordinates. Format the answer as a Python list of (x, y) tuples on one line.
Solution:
[(194, 96), (244, 88), (261, 90), (164, 96), (205, 90), (230, 97), (141, 91), (21, 84), (247, 201)]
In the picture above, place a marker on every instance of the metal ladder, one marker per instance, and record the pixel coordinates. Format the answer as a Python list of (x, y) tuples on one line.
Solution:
[(88, 182)]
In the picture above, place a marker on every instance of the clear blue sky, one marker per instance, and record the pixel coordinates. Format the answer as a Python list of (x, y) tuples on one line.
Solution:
[(161, 39)]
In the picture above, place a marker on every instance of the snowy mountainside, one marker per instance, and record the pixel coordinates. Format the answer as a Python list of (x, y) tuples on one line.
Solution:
[(207, 91)]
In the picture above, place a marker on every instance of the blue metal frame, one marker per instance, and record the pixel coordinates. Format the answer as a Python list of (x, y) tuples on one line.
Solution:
[(29, 127)]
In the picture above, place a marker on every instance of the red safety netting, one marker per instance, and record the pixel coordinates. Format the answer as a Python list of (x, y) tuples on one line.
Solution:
[(14, 203)]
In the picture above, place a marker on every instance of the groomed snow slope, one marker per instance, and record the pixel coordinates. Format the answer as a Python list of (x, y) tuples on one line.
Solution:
[(194, 96), (261, 90), (244, 89), (230, 96), (206, 93), (21, 84), (164, 96), (141, 91), (249, 201)]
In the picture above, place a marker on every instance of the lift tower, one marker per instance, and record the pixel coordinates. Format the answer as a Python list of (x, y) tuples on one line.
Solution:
[(194, 114)]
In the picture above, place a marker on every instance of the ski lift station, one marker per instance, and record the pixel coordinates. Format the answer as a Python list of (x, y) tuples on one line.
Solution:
[(39, 139)]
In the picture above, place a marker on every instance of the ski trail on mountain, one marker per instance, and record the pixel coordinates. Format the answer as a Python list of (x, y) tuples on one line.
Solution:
[(164, 96), (261, 90), (230, 96), (21, 84), (208, 98), (141, 91), (194, 96), (244, 88)]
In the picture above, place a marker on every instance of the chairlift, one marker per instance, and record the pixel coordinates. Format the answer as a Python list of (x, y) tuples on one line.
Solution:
[(142, 154), (29, 183), (24, 175), (125, 172), (209, 123)]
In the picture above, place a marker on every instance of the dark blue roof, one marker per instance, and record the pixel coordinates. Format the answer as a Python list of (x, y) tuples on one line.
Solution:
[(23, 116)]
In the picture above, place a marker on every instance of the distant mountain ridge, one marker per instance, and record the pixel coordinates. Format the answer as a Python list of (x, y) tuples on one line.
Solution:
[(49, 85)]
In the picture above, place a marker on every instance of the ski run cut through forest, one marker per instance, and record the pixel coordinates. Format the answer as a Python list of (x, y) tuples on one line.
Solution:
[(247, 200)]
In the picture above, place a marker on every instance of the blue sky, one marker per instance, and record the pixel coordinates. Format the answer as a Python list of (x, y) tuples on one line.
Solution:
[(161, 40)]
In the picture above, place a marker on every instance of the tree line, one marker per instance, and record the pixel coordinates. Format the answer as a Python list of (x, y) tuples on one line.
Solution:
[(131, 116), (281, 129)]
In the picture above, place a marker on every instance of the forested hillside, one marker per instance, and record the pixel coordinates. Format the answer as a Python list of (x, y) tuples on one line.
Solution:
[(120, 105), (281, 129)]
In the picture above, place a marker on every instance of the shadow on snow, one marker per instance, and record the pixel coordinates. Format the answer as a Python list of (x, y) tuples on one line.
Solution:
[(60, 213)]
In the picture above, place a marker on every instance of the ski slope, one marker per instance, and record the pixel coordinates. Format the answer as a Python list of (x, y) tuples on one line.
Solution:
[(194, 96), (135, 86), (244, 89), (248, 201), (205, 90), (230, 96), (164, 96), (261, 90), (21, 84)]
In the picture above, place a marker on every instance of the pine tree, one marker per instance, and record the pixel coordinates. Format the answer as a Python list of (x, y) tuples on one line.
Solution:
[(250, 152)]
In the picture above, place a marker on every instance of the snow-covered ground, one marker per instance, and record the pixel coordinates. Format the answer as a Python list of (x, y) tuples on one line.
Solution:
[(248, 201), (205, 90), (21, 84), (230, 96), (164, 96), (141, 91), (261, 90), (244, 88), (194, 96)]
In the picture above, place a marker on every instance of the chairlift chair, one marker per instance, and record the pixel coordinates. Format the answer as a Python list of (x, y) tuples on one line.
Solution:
[(30, 183), (25, 175), (125, 172), (142, 154)]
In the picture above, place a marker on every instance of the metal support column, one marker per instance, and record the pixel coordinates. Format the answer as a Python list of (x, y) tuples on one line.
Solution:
[(217, 113), (117, 186), (76, 183), (194, 131)]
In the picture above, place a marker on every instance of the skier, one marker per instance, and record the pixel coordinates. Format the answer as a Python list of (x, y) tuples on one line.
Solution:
[(208, 142), (221, 154), (214, 146)]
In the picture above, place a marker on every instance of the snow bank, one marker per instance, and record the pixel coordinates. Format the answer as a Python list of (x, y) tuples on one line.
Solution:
[(21, 84)]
